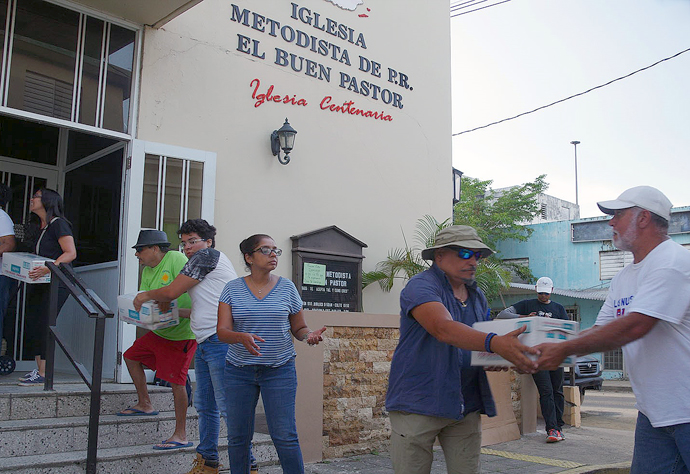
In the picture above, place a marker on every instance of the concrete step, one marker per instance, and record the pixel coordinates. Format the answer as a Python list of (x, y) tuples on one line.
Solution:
[(56, 435), (68, 400), (129, 460)]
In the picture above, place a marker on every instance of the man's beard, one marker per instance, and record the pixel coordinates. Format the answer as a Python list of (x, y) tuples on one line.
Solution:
[(625, 241), (468, 281)]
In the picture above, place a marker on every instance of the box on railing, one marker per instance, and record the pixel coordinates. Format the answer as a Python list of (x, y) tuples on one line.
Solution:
[(17, 265), (149, 316), (539, 330)]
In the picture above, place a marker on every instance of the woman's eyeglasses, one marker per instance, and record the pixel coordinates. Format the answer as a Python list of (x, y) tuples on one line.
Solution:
[(466, 254), (268, 250)]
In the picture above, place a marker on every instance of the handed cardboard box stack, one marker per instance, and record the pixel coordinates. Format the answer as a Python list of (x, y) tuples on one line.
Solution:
[(149, 316), (17, 265), (538, 330)]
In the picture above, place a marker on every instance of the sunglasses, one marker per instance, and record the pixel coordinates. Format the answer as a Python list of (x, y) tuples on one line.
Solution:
[(268, 250), (466, 254)]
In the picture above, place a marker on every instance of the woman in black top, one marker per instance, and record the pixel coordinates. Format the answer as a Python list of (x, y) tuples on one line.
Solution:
[(53, 238)]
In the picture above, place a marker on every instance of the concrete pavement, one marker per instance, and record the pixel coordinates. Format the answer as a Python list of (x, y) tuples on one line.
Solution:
[(585, 450), (588, 449)]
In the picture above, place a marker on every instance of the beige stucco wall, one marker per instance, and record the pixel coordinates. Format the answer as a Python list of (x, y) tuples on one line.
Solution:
[(370, 177)]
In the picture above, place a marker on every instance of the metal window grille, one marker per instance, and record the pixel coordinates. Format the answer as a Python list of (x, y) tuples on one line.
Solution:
[(613, 360)]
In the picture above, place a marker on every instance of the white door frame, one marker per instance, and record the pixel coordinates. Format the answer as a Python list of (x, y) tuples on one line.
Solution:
[(131, 221)]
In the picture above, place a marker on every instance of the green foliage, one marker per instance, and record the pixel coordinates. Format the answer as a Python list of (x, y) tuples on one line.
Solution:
[(404, 263), (498, 216), (495, 216)]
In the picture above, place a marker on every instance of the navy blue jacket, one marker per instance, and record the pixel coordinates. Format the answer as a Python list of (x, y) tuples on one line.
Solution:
[(425, 375)]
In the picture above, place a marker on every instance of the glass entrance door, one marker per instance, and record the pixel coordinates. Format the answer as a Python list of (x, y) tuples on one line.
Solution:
[(165, 186), (23, 179)]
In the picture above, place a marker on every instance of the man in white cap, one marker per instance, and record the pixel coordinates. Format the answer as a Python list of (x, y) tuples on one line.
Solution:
[(433, 391), (647, 312), (549, 382)]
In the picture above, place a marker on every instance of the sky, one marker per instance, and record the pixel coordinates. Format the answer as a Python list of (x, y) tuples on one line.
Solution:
[(514, 57)]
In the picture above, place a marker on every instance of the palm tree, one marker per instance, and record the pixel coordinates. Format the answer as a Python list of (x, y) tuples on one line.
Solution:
[(404, 263)]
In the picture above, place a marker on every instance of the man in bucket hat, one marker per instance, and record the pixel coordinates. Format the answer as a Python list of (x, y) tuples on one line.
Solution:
[(647, 313), (168, 351), (433, 391)]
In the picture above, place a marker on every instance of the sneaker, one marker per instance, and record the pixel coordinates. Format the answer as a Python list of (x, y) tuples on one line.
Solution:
[(28, 375), (34, 380), (560, 432), (553, 436), (254, 469)]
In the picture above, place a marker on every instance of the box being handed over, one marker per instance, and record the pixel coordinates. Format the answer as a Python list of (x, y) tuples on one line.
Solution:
[(539, 329), (149, 316), (17, 265)]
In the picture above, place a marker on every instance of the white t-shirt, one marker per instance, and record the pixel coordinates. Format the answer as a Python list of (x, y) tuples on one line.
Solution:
[(6, 227), (213, 270), (658, 286)]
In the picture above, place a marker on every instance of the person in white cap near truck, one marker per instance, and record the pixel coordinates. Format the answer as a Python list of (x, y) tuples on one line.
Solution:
[(549, 382), (647, 313)]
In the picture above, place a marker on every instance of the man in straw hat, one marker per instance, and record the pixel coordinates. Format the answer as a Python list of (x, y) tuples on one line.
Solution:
[(647, 313), (433, 391)]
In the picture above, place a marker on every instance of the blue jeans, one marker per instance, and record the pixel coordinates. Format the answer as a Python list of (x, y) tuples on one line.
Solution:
[(550, 386), (209, 398), (278, 388), (664, 450)]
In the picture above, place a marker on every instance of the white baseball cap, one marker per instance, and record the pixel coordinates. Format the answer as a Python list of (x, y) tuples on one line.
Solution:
[(646, 197), (544, 285)]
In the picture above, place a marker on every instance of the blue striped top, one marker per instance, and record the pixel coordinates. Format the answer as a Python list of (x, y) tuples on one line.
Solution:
[(268, 318)]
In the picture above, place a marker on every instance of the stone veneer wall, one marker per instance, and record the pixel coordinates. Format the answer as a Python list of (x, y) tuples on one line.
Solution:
[(356, 364), (516, 395)]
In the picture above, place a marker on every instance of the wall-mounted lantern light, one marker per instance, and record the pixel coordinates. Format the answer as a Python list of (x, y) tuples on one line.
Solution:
[(283, 138), (457, 185)]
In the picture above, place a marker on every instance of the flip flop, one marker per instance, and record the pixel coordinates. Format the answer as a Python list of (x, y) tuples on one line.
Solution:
[(136, 412), (167, 445)]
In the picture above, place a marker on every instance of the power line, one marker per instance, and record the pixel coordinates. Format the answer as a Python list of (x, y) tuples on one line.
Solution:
[(574, 95), (480, 8), (466, 4)]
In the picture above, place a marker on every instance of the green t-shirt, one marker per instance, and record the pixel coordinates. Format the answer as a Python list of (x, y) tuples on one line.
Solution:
[(162, 275)]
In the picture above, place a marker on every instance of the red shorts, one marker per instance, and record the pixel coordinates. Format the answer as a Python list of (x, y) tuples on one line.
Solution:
[(170, 359)]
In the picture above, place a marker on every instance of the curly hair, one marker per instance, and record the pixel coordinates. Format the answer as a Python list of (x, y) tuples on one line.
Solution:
[(200, 227)]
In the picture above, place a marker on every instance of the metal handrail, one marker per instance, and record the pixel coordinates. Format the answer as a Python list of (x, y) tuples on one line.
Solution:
[(95, 308)]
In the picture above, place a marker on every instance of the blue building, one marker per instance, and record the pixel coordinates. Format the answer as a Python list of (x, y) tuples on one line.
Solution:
[(579, 256)]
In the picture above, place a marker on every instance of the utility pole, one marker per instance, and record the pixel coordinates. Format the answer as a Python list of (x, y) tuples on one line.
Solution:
[(576, 143)]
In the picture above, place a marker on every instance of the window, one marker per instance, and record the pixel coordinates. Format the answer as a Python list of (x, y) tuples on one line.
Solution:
[(573, 313), (172, 193), (65, 64), (613, 360), (613, 261), (47, 96)]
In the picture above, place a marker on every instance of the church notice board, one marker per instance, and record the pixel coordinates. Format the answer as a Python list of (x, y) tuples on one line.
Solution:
[(330, 285), (327, 269)]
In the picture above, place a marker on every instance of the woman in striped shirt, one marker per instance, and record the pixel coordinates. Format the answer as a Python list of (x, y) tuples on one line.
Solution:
[(257, 316)]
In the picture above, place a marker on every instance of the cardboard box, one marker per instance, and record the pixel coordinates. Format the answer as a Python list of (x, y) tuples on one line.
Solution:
[(150, 316), (17, 265), (539, 330)]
